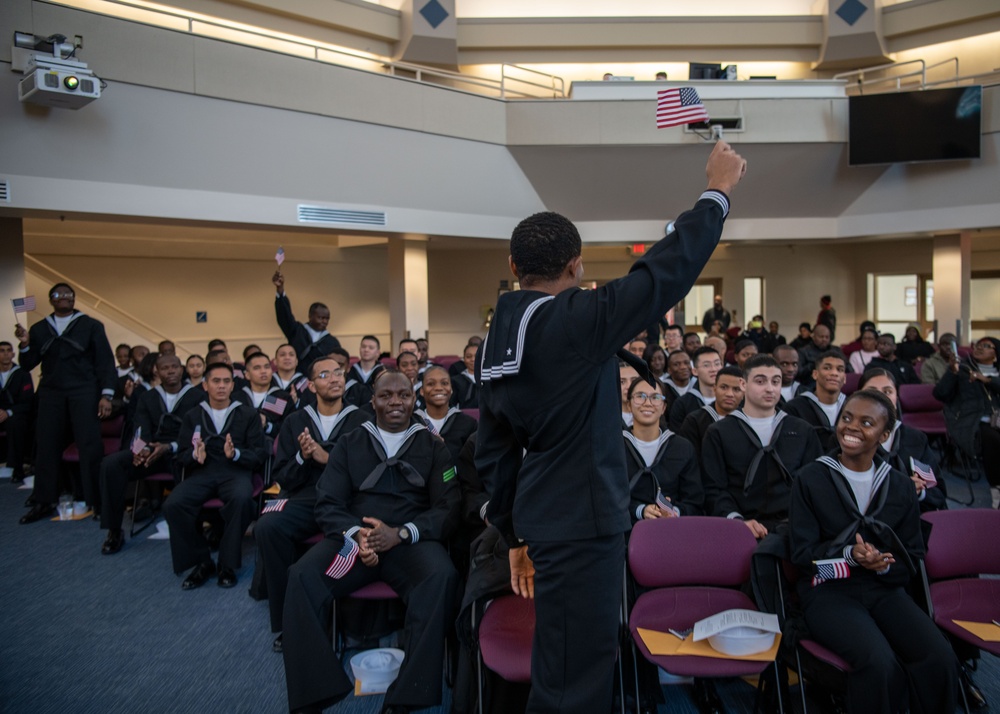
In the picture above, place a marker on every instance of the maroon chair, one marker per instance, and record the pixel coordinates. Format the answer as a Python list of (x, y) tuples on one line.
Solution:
[(377, 590), (446, 361), (504, 642), (474, 413), (691, 568), (851, 383), (920, 410), (388, 362), (161, 478), (111, 439)]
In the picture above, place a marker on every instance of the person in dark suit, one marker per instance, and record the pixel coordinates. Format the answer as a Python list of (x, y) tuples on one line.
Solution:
[(17, 394), (221, 444), (310, 340), (158, 416), (387, 502), (74, 394), (556, 482)]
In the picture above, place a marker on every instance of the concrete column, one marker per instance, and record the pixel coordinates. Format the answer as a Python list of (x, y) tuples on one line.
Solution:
[(952, 273), (408, 289), (12, 275)]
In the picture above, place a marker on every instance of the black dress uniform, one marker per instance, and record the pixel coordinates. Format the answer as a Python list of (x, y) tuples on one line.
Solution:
[(358, 390), (17, 395), (555, 477), (229, 480), (303, 396), (308, 347), (78, 367), (807, 407), (685, 404), (416, 489), (456, 429), (464, 391), (906, 443), (289, 519), (749, 480), (869, 619), (276, 405), (156, 424), (695, 425), (674, 473)]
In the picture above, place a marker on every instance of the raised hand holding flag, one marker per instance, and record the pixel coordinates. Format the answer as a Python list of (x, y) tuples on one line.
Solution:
[(279, 257)]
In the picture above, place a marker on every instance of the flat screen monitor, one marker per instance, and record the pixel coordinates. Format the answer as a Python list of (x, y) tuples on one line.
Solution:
[(929, 125), (698, 70)]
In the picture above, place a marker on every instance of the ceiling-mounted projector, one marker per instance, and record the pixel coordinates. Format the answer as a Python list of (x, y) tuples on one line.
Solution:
[(53, 77)]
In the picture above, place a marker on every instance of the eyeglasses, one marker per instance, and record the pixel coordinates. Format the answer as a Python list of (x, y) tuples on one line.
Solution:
[(66, 294), (328, 373), (985, 346), (642, 398)]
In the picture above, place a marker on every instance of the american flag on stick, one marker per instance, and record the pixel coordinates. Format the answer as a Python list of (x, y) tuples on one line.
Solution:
[(344, 560), (23, 304), (923, 471), (680, 105), (279, 257), (832, 569), (137, 443), (273, 404), (275, 505)]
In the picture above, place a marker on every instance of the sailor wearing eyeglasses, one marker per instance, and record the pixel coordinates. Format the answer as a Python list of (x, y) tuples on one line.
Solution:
[(304, 443), (74, 393)]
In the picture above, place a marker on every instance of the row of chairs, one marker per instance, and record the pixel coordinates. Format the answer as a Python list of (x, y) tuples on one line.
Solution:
[(694, 567)]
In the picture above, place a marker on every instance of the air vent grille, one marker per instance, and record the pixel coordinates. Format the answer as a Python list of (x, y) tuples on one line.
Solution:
[(4, 191), (340, 216)]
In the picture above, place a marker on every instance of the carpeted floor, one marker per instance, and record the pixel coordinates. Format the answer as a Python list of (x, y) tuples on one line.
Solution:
[(84, 632)]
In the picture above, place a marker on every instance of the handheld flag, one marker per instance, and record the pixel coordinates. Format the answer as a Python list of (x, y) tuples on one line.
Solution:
[(832, 569), (279, 257), (137, 443), (344, 560), (274, 404), (275, 505), (677, 106), (23, 304), (196, 438), (923, 471)]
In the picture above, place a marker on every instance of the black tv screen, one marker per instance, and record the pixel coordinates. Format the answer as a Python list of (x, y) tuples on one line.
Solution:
[(931, 125)]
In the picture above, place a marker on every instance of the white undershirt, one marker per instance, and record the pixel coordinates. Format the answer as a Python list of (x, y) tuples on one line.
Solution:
[(763, 427), (61, 322), (989, 370), (4, 376), (627, 418), (788, 393), (438, 424), (257, 398), (170, 399), (831, 411), (313, 335), (219, 418), (648, 450), (361, 370), (392, 441), (861, 483), (326, 424), (681, 391)]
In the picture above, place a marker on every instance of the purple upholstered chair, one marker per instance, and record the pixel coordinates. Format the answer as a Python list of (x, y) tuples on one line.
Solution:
[(921, 410), (505, 635), (690, 569), (851, 383)]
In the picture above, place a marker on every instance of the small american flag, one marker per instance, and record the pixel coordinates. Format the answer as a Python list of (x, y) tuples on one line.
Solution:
[(137, 443), (279, 257), (662, 501), (23, 304), (677, 106), (274, 505), (923, 471), (344, 560), (274, 405), (302, 384), (832, 569), (196, 437)]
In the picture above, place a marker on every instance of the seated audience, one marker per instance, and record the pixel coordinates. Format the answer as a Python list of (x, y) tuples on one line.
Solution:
[(310, 340), (637, 346), (808, 355), (777, 339), (691, 343), (123, 357), (664, 478), (17, 396), (706, 364), (788, 360), (804, 338), (362, 375), (673, 338), (913, 346), (423, 352), (221, 445), (166, 347), (408, 363), (820, 407), (656, 358), (852, 347), (271, 403), (678, 378), (970, 391), (758, 335), (860, 359), (195, 368), (304, 444), (387, 501), (153, 445), (458, 367), (887, 359), (750, 458), (853, 513), (626, 375), (440, 417), (718, 344), (728, 395), (287, 375), (744, 350), (463, 385), (935, 366), (908, 450)]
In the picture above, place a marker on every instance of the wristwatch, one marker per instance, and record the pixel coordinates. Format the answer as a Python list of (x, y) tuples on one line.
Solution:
[(404, 534)]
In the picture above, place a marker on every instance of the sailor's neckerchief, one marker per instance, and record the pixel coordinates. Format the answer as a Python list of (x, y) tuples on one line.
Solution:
[(880, 494), (185, 388), (318, 423), (762, 449), (51, 322), (207, 420), (503, 349), (841, 398), (408, 472), (298, 378), (631, 443), (422, 413)]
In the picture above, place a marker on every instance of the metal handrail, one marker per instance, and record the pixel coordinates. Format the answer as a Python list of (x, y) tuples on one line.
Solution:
[(560, 92), (897, 78)]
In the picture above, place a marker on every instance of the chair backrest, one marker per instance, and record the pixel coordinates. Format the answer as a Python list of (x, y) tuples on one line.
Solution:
[(692, 550), (963, 542), (474, 413), (851, 383), (112, 428), (915, 398), (446, 361), (388, 362)]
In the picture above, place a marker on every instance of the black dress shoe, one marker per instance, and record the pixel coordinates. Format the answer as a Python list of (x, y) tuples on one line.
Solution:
[(974, 695), (29, 502), (227, 578), (38, 512), (706, 698), (199, 576), (276, 645), (113, 543)]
